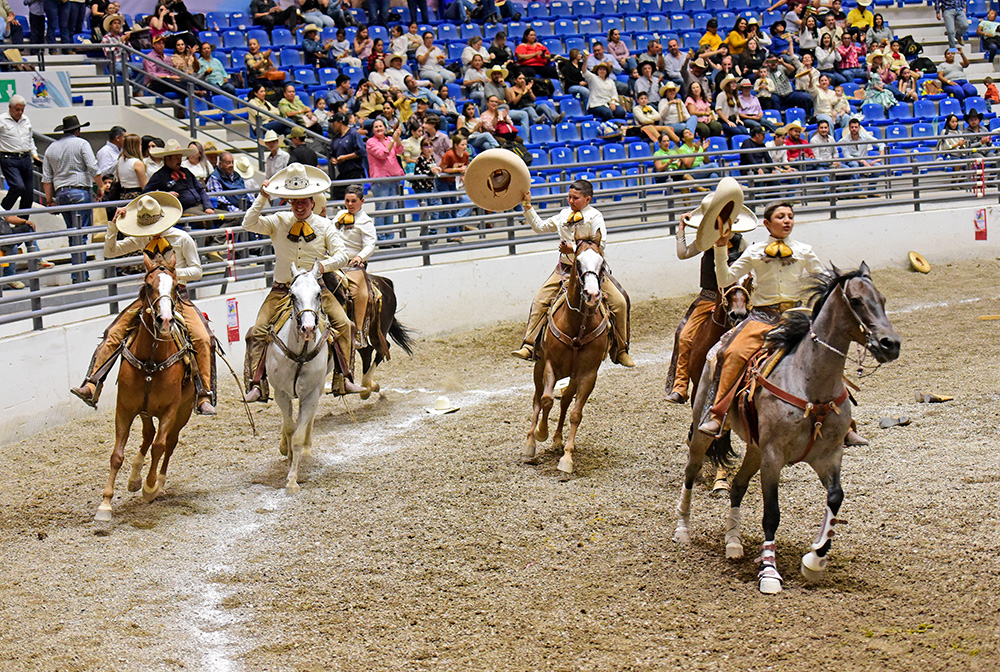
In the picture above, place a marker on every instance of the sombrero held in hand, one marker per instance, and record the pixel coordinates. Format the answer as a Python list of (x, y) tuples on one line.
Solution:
[(496, 179), (298, 181), (150, 214), (725, 203)]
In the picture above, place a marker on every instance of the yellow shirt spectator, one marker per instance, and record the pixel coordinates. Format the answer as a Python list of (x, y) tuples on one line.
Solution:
[(860, 19)]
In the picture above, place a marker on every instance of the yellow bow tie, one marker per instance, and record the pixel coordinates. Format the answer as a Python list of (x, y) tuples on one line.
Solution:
[(157, 246), (301, 231), (574, 218), (345, 221), (778, 250)]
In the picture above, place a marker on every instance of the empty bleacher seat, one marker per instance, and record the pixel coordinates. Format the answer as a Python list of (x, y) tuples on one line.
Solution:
[(563, 27), (305, 76), (536, 9), (874, 113), (220, 19), (567, 132), (282, 37), (290, 57), (979, 104), (470, 30), (588, 154), (560, 8), (236, 38), (949, 106), (583, 8), (924, 109), (658, 23), (562, 156)]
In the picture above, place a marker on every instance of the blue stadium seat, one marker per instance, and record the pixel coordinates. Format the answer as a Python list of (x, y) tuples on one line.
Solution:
[(290, 57), (553, 44), (604, 7), (692, 6), (979, 104), (305, 76), (562, 156), (328, 76), (774, 116), (612, 23), (588, 26), (639, 150), (570, 106), (768, 18), (448, 31), (282, 37), (563, 27), (220, 19), (560, 8), (614, 153), (924, 109), (874, 114), (949, 106), (455, 50), (628, 7), (658, 23), (535, 10), (539, 158), (901, 112), (470, 30), (236, 19), (235, 38), (611, 179), (793, 113), (850, 88), (715, 6), (717, 143), (634, 24), (539, 187), (739, 5), (583, 8), (541, 136), (590, 130), (356, 74), (649, 7), (588, 154), (543, 28), (211, 37), (896, 132), (680, 21), (377, 32), (700, 19), (689, 39), (567, 132), (258, 34)]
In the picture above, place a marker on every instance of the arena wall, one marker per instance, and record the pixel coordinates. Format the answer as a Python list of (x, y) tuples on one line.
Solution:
[(39, 367)]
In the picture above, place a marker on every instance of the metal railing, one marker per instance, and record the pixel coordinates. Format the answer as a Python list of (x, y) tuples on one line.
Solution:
[(637, 199)]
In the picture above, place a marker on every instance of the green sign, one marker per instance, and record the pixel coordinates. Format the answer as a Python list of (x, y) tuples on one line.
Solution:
[(8, 87)]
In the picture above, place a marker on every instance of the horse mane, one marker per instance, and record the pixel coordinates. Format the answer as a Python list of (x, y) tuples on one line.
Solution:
[(795, 324)]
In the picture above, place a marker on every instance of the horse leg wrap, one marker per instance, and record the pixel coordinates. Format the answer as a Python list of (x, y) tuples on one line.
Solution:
[(683, 516), (768, 579), (734, 547), (826, 531)]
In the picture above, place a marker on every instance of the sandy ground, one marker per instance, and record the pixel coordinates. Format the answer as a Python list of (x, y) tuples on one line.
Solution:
[(421, 542)]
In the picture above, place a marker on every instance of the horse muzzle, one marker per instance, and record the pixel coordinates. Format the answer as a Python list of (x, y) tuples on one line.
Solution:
[(885, 348), (737, 316)]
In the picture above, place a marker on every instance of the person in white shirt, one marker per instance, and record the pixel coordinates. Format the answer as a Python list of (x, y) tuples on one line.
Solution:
[(825, 151), (856, 155), (583, 220), (396, 73), (17, 150), (356, 228), (107, 156), (474, 47), (432, 60), (277, 159)]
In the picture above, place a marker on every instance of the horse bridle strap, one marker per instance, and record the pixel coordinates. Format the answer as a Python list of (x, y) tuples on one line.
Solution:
[(578, 342), (303, 357), (817, 411)]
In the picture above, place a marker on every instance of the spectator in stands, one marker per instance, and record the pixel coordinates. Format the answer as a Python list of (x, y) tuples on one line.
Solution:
[(258, 99), (696, 72), (417, 88), (440, 140), (794, 142), (396, 73), (301, 152), (806, 76), (778, 156), (827, 58), (755, 156), (379, 78), (411, 145), (950, 146), (68, 169), (826, 152), (778, 72), (748, 107), (159, 79), (837, 11), (669, 65), (603, 102), (362, 45), (427, 168), (663, 161), (619, 51), (341, 51), (183, 58), (314, 52), (291, 106), (908, 83), (991, 93), (113, 36), (497, 120), (378, 12), (727, 108), (831, 28), (212, 70), (267, 14), (277, 159), (856, 156), (794, 20), (824, 103), (398, 41), (763, 88), (186, 21), (197, 162), (792, 4), (753, 57), (497, 87), (736, 41), (573, 81), (259, 64), (315, 12), (432, 61), (711, 38), (699, 106), (808, 36), (876, 93), (389, 117), (474, 80), (339, 11), (368, 103), (673, 111), (521, 96), (347, 153), (152, 163), (446, 108), (956, 21), (160, 23), (781, 42), (225, 178), (533, 59), (727, 68), (378, 53), (860, 19), (501, 53), (755, 33), (952, 75), (12, 224), (986, 30), (17, 149), (57, 20), (453, 164), (648, 84), (690, 157), (383, 152), (647, 120), (601, 56), (980, 146), (108, 155), (896, 60), (469, 124), (879, 35), (475, 46), (130, 170), (418, 5)]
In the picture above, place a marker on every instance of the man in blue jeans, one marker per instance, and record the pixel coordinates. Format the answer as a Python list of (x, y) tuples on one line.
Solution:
[(17, 149), (57, 18), (68, 170), (956, 21)]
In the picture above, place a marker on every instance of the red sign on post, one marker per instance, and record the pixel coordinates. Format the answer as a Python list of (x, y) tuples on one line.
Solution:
[(232, 320), (980, 223)]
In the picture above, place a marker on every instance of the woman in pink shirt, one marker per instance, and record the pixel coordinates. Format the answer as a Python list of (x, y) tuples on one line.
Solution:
[(383, 152)]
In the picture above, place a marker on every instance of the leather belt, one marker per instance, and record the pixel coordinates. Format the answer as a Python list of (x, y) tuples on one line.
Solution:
[(14, 155), (72, 186)]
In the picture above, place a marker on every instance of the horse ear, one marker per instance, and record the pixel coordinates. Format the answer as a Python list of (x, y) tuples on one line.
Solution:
[(148, 263), (171, 260), (318, 270), (597, 238), (836, 271), (295, 269), (865, 271)]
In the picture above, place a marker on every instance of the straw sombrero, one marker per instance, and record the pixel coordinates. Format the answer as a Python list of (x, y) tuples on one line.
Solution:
[(918, 262), (110, 18), (243, 166), (442, 406), (298, 181), (170, 148), (319, 203), (498, 68), (727, 202), (271, 136), (150, 214), (497, 179), (211, 149)]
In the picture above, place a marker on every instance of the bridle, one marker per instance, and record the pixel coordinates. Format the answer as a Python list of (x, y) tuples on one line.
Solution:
[(725, 304), (582, 338), (149, 307), (305, 355), (581, 276), (866, 331)]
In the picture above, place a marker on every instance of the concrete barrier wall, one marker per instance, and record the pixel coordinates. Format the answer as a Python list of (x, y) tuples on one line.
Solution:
[(38, 368)]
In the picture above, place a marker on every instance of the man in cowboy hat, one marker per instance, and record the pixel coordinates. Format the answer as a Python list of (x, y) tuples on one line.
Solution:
[(301, 152), (781, 267), (356, 228), (179, 181), (302, 238), (148, 224), (581, 220), (68, 169), (277, 159)]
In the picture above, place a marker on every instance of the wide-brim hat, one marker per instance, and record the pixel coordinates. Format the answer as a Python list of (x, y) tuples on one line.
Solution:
[(497, 179), (150, 214), (442, 406), (918, 263), (794, 123), (864, 3), (271, 136), (395, 57), (211, 149), (726, 202), (298, 181), (728, 78), (310, 27), (599, 66), (498, 68), (243, 166), (668, 86), (111, 17), (700, 63), (973, 113), (70, 123), (170, 148)]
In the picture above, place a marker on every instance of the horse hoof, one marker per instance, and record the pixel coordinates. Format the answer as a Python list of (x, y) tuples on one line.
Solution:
[(365, 393), (135, 484), (103, 514), (565, 464), (734, 550), (557, 445), (293, 488), (813, 567), (149, 495), (720, 488), (681, 536), (769, 586), (376, 387)]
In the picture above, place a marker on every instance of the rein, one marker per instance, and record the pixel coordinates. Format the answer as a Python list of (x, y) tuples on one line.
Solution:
[(582, 338), (151, 367), (306, 356)]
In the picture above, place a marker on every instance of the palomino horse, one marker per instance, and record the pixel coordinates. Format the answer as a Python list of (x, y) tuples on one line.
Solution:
[(155, 384), (802, 413), (298, 366), (575, 343)]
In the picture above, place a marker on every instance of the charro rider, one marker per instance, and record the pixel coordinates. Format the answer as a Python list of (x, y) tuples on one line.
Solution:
[(302, 238), (703, 306), (356, 228), (579, 220), (148, 224)]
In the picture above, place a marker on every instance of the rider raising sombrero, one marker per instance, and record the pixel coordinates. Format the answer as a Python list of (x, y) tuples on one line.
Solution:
[(579, 220), (148, 224), (302, 238)]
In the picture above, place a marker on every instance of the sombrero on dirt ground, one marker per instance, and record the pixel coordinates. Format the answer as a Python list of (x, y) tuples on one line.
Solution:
[(298, 181), (442, 406), (150, 214), (918, 263), (726, 202), (496, 179)]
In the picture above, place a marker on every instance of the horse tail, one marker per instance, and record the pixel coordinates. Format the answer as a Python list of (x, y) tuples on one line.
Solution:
[(403, 336), (721, 452)]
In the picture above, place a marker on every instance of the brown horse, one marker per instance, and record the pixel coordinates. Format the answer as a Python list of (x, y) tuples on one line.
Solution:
[(575, 343), (382, 326), (154, 384)]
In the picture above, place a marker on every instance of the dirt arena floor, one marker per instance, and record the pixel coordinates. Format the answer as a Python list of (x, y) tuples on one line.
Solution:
[(421, 542)]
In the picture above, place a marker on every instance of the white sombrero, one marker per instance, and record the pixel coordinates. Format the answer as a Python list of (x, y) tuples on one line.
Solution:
[(298, 181), (271, 136), (319, 204), (442, 406), (726, 202), (243, 166), (170, 148), (497, 179), (150, 214)]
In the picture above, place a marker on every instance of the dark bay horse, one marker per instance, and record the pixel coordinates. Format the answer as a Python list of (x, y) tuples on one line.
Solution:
[(575, 343), (802, 412), (153, 382)]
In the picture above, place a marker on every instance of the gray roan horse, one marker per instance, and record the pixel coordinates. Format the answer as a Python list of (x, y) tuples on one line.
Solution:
[(803, 412), (298, 366)]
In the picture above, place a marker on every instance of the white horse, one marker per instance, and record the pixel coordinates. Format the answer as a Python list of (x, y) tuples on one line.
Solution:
[(298, 366)]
